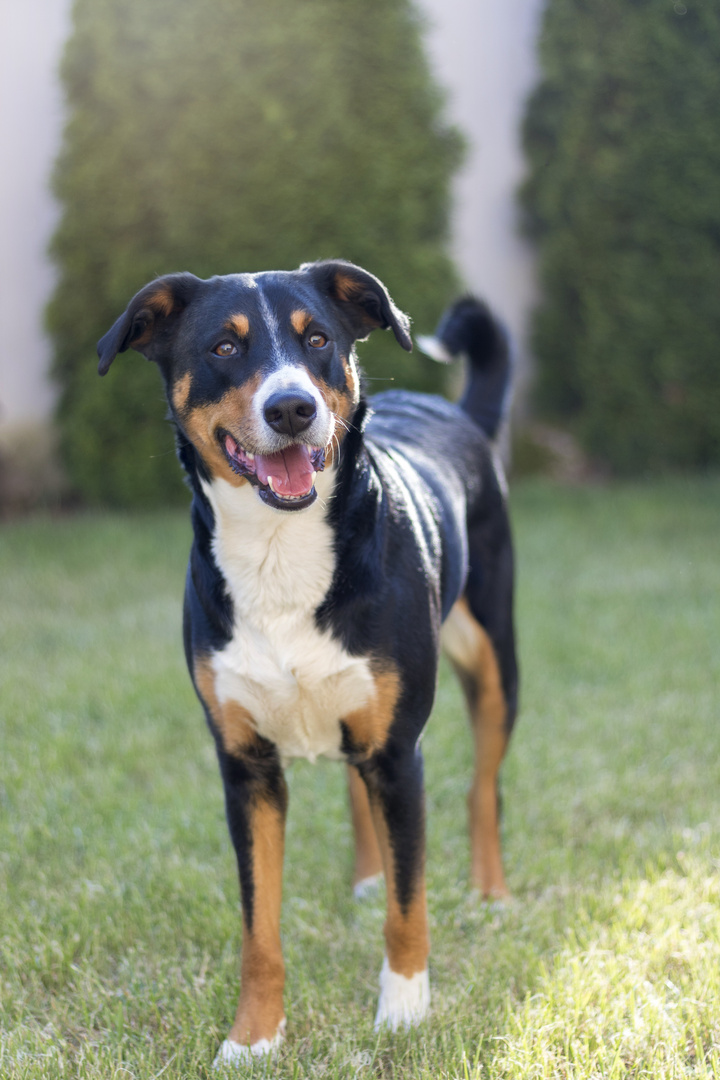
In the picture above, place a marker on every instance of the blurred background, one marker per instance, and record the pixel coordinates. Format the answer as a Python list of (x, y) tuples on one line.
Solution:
[(558, 157)]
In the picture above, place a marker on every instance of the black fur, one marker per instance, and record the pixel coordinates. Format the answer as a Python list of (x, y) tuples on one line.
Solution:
[(469, 328)]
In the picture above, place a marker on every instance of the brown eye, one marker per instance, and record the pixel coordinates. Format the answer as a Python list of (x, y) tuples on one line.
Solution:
[(225, 348), (317, 341)]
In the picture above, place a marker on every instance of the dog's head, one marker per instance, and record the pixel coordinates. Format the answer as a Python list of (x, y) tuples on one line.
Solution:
[(260, 369)]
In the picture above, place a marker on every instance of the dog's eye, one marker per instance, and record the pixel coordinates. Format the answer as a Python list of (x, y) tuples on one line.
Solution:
[(317, 341), (225, 348)]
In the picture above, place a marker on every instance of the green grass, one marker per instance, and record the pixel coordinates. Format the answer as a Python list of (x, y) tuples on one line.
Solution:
[(119, 925)]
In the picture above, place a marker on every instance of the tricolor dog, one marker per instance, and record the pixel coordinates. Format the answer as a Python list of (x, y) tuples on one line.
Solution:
[(338, 544)]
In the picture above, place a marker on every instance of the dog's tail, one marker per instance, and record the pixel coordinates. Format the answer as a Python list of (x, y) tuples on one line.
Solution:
[(470, 328)]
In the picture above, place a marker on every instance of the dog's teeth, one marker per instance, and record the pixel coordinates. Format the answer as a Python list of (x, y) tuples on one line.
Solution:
[(270, 483), (312, 481), (250, 457)]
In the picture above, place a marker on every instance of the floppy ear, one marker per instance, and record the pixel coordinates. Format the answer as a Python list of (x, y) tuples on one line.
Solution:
[(362, 297), (146, 313)]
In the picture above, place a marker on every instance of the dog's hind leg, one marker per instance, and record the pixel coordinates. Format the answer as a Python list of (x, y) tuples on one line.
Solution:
[(368, 860), (474, 657)]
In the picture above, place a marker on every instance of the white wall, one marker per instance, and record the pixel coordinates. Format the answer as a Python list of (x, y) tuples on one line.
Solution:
[(483, 52), (31, 36)]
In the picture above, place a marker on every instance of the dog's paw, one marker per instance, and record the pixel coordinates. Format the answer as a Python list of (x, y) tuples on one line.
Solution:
[(368, 887), (496, 903), (235, 1053), (403, 1002)]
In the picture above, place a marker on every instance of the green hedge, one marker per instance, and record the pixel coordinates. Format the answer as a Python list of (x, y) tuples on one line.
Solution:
[(623, 141), (225, 136)]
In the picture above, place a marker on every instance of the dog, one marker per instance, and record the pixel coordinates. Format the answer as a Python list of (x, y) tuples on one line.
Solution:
[(338, 542)]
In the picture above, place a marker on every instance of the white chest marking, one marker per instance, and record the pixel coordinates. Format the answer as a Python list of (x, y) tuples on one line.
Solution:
[(296, 681)]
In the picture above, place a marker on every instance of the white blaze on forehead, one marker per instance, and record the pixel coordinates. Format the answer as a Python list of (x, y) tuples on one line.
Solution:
[(285, 375), (272, 325)]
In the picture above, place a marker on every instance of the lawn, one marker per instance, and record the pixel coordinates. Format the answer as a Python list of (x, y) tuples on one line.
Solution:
[(119, 924)]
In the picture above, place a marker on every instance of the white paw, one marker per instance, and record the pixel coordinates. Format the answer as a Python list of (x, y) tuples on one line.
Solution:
[(403, 1002), (234, 1053), (367, 887)]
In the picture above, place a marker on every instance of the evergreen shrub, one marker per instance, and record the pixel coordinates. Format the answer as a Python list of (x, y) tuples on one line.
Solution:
[(235, 135), (623, 142)]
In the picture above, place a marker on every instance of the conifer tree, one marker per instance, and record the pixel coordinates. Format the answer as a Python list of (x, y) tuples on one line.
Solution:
[(225, 136), (623, 141)]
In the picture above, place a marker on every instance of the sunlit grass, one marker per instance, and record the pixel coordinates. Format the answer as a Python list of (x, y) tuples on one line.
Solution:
[(635, 992), (119, 925)]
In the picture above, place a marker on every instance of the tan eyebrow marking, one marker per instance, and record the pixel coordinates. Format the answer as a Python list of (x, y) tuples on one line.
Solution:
[(240, 324), (300, 320)]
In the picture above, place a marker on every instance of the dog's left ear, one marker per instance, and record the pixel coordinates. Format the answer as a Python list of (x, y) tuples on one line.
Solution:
[(362, 297), (146, 314)]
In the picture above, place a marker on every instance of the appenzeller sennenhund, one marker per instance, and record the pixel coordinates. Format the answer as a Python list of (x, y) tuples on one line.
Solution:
[(338, 543)]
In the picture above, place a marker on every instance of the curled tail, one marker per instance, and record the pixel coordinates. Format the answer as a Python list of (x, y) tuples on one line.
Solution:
[(470, 328)]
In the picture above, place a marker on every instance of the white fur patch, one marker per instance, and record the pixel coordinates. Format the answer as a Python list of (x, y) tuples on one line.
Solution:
[(369, 886), (234, 1053), (295, 681), (291, 377), (403, 1002), (271, 322)]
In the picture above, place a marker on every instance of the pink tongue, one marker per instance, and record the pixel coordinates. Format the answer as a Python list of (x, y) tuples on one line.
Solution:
[(291, 470)]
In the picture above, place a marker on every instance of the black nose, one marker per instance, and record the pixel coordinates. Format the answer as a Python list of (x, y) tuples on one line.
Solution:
[(290, 411)]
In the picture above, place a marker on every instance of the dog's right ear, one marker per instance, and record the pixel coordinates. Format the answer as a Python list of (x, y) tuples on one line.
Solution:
[(146, 313)]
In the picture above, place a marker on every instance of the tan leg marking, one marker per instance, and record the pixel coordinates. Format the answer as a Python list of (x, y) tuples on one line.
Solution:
[(369, 726), (407, 941), (368, 729), (235, 724), (262, 975), (473, 656), (368, 860)]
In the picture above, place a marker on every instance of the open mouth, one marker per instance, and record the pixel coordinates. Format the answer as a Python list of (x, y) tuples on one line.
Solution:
[(285, 480)]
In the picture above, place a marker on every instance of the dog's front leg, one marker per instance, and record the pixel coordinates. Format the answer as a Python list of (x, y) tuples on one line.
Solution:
[(394, 779), (256, 804)]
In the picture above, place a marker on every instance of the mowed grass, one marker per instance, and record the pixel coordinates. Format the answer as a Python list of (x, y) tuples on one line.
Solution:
[(119, 912)]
